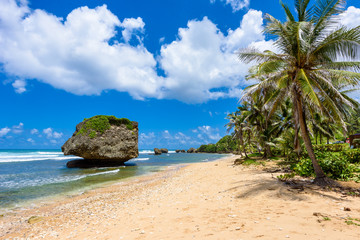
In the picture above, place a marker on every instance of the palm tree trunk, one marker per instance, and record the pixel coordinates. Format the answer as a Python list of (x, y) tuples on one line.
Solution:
[(305, 136), (297, 146)]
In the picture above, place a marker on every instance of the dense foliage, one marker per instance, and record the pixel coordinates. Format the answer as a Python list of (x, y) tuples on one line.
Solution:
[(98, 124), (226, 144)]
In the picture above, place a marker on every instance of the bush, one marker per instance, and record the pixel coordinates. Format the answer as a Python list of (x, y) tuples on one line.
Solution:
[(210, 148), (352, 156), (333, 165), (331, 147)]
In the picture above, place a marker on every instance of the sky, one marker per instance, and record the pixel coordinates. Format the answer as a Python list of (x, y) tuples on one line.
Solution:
[(169, 65)]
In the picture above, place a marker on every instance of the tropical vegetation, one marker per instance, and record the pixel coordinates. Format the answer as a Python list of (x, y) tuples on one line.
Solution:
[(301, 95)]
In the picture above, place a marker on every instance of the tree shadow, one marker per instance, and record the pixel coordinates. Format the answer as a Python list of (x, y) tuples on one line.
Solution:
[(273, 188)]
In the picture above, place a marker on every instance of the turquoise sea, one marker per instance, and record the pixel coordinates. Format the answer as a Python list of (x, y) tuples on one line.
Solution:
[(30, 175)]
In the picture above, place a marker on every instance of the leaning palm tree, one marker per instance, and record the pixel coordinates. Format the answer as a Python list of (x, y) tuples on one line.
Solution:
[(314, 55)]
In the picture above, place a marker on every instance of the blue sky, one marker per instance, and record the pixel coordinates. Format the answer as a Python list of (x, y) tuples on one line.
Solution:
[(170, 65)]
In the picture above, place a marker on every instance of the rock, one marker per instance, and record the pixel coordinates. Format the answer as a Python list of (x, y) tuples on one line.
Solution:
[(183, 151), (192, 150), (164, 150), (177, 150), (103, 141), (157, 151)]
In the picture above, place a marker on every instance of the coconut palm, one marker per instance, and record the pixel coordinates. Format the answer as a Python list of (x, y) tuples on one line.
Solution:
[(315, 54)]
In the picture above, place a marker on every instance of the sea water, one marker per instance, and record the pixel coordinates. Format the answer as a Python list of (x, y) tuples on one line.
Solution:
[(29, 175)]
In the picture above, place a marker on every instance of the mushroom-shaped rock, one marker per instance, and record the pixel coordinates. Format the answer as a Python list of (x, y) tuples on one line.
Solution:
[(157, 151), (103, 141)]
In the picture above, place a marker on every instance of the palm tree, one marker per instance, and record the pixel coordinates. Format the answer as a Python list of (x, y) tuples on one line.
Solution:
[(315, 54)]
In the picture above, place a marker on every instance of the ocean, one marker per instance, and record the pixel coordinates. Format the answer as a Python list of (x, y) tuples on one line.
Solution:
[(28, 176)]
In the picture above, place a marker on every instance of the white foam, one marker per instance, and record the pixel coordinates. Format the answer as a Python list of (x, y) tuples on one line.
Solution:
[(145, 151), (139, 159), (101, 173), (12, 159), (49, 153)]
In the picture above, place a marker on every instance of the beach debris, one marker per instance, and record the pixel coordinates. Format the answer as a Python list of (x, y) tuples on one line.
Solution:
[(103, 141), (34, 219), (347, 209)]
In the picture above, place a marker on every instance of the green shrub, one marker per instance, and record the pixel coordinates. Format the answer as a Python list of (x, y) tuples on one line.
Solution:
[(331, 147), (352, 155), (100, 123), (255, 155), (333, 165)]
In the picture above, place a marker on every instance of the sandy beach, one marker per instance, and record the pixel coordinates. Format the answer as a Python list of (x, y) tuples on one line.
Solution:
[(210, 200)]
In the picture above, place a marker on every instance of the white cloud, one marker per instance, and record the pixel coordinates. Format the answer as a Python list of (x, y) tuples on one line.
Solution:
[(132, 26), (208, 134), (34, 131), (236, 5), (17, 129), (75, 54), (4, 131), (19, 86), (202, 62), (351, 17), (50, 133), (30, 140)]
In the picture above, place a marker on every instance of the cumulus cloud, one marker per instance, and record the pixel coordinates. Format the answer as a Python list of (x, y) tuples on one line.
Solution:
[(19, 86), (131, 27), (74, 54), (236, 5), (30, 140), (203, 62), (351, 17), (82, 54), (4, 131), (50, 133)]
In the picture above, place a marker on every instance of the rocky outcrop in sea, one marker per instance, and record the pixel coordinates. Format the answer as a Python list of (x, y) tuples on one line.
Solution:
[(103, 141)]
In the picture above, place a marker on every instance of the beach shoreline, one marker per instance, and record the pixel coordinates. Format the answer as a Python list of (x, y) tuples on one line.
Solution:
[(207, 200)]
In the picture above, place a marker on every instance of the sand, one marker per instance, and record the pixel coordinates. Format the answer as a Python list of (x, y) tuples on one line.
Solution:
[(210, 200)]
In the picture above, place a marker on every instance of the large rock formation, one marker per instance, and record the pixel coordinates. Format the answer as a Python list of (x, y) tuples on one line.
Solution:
[(164, 150), (103, 141), (192, 150), (157, 151)]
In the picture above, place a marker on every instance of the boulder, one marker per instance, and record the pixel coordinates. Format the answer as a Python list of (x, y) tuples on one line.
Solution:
[(157, 151), (164, 150), (191, 150), (177, 150), (103, 141), (183, 151)]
